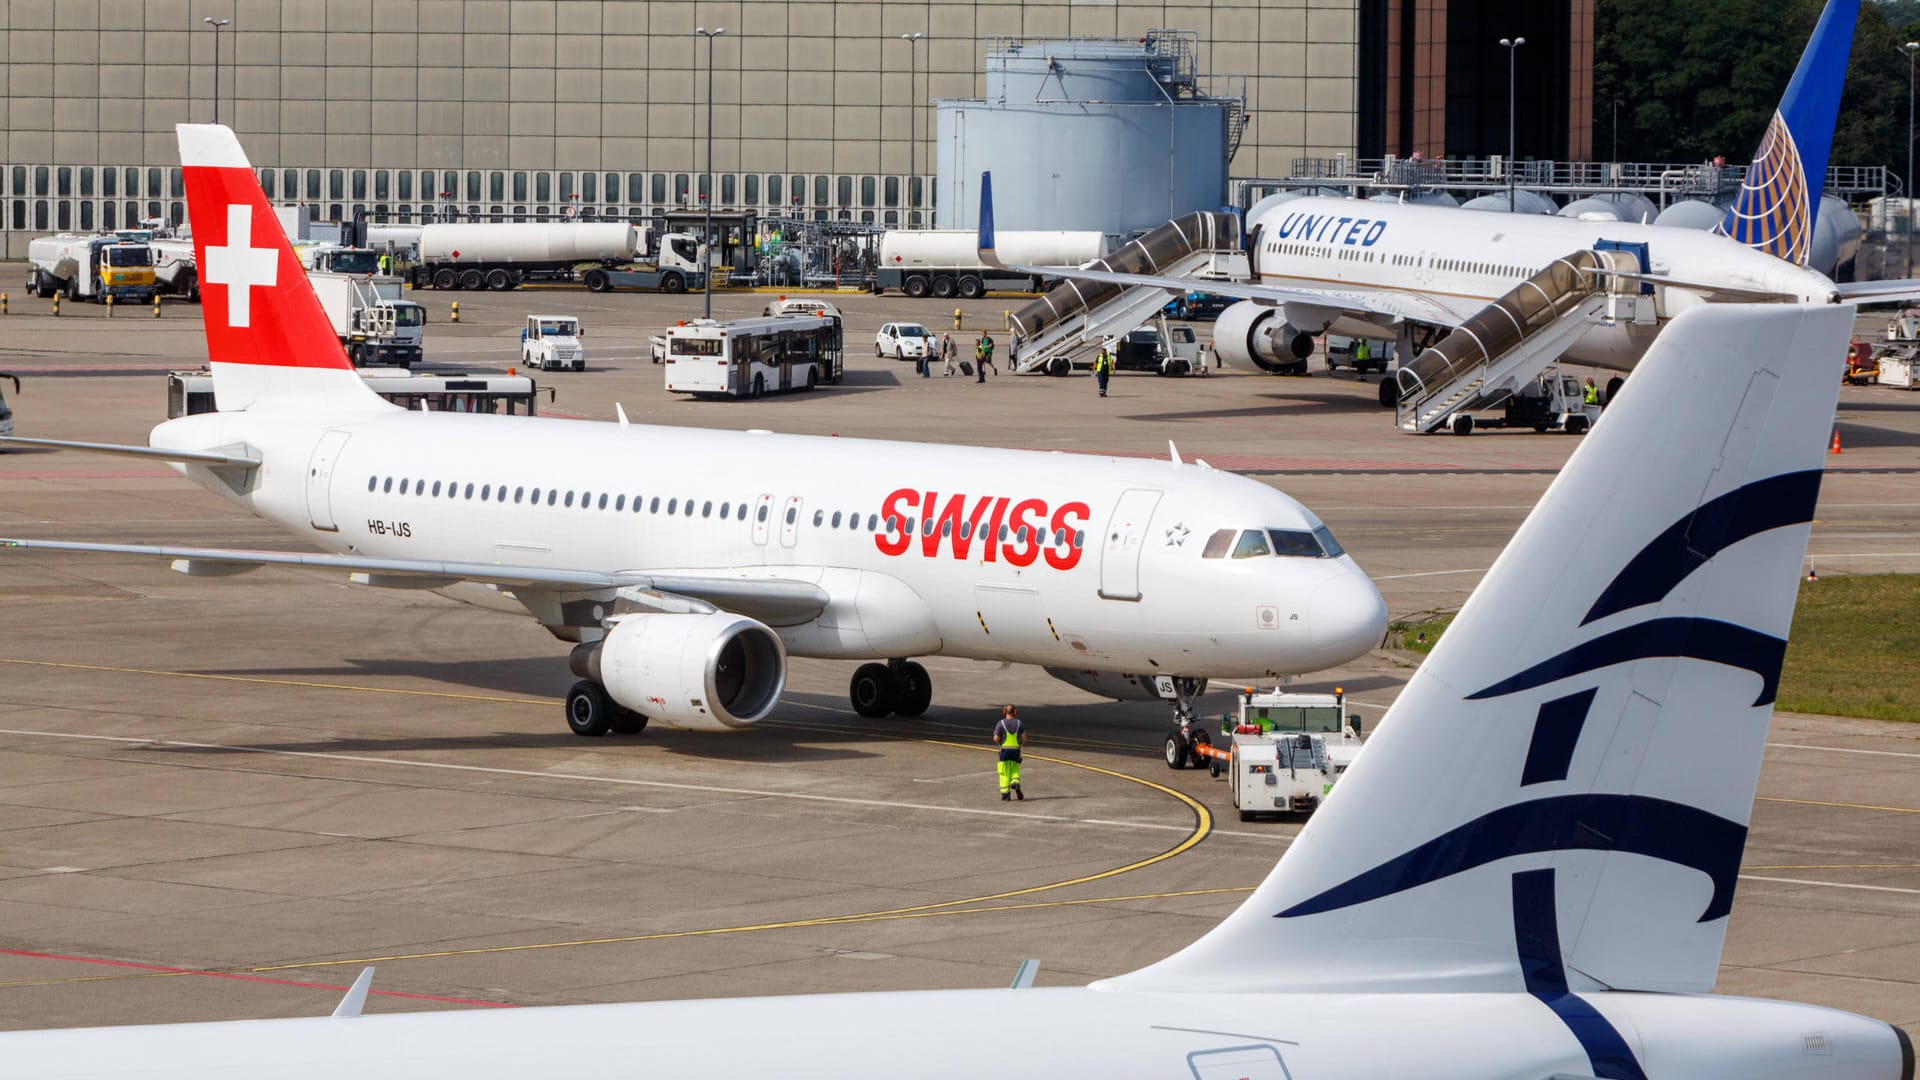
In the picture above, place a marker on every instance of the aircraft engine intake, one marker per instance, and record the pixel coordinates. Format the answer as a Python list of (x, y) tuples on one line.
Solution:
[(1116, 685), (713, 672), (1254, 333)]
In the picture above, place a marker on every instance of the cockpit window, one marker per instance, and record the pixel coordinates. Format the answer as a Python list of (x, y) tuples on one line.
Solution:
[(1297, 543), (1328, 544), (1253, 543), (1217, 544)]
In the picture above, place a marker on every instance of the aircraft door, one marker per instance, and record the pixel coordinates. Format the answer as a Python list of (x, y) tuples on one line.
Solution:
[(1122, 542), (1258, 1062), (790, 521), (320, 480), (762, 510)]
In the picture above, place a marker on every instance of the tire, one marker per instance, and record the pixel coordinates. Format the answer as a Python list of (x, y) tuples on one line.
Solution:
[(878, 353), (589, 709), (472, 280), (1176, 752), (598, 281), (499, 280), (673, 283), (806, 379), (1060, 367), (1213, 768), (943, 288), (1389, 393), (1576, 425), (915, 286), (871, 691), (627, 722), (913, 690), (971, 287), (354, 356), (1201, 738), (1463, 424), (1246, 815), (444, 278), (759, 386)]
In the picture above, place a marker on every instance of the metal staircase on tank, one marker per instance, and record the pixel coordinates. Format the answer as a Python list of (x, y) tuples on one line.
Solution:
[(1076, 316), (1487, 359)]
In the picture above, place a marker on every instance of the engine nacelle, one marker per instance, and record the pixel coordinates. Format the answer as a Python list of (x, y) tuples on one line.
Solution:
[(1116, 685), (1257, 334), (705, 672)]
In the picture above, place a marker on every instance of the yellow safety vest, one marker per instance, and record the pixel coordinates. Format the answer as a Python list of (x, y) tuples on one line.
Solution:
[(1011, 740)]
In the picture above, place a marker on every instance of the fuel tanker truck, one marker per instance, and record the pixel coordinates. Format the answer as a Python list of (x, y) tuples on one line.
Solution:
[(91, 268), (502, 255), (946, 262)]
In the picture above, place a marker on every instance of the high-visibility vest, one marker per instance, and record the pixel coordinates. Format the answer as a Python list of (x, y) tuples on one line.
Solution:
[(1011, 731), (1103, 363), (1593, 394)]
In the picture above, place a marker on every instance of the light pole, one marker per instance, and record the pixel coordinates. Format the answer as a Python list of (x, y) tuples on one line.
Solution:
[(913, 111), (1616, 130), (708, 268), (1910, 48), (1512, 45), (217, 24)]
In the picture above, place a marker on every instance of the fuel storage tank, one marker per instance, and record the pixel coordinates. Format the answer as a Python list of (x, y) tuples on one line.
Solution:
[(1109, 135)]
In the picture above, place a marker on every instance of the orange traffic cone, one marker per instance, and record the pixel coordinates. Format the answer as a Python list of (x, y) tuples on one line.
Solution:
[(1834, 447)]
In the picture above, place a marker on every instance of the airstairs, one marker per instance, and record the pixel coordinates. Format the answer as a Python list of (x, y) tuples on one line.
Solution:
[(1076, 316), (1506, 345)]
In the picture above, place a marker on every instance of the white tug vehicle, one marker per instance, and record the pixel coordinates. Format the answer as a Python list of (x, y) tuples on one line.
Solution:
[(1284, 752)]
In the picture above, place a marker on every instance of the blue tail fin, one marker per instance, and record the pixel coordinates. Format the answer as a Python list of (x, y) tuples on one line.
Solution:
[(987, 254), (1775, 208)]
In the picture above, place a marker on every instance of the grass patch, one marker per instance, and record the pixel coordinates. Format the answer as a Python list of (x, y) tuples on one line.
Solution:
[(1418, 633), (1855, 648)]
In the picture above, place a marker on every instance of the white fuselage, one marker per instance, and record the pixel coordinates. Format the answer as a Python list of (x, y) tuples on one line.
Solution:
[(1136, 596), (1462, 260), (1045, 1034)]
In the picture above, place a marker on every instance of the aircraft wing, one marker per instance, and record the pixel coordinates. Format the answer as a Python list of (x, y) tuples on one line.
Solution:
[(1399, 305), (785, 599)]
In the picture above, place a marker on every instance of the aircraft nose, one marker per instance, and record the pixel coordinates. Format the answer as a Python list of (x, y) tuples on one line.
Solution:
[(1347, 617)]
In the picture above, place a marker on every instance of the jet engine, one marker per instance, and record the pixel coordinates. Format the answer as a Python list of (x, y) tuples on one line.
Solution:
[(1258, 334), (708, 672), (1116, 685)]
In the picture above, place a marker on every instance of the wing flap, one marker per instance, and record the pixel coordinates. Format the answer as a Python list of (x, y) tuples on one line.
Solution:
[(1399, 305)]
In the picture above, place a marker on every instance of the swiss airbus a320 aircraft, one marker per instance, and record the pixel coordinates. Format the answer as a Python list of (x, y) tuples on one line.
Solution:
[(1410, 273), (1527, 874), (688, 564)]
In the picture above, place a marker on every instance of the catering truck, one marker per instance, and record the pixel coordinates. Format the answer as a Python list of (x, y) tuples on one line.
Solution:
[(91, 268), (503, 255), (946, 262), (374, 324)]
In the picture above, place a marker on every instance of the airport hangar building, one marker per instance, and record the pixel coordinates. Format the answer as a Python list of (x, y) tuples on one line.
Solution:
[(537, 108)]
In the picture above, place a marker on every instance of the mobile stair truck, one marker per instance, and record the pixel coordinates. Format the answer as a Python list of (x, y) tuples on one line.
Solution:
[(91, 268), (1284, 752), (374, 324)]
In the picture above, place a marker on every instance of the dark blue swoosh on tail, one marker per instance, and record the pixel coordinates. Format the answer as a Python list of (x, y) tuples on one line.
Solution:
[(1636, 824), (1686, 545), (1697, 639), (1536, 937)]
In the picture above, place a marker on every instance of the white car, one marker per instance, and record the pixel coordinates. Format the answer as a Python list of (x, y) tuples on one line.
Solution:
[(552, 342), (903, 341)]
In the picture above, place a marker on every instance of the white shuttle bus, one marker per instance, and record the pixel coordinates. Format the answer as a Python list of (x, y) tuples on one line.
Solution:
[(751, 357)]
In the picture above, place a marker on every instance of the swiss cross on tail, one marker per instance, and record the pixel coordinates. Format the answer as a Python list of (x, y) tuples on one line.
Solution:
[(257, 304)]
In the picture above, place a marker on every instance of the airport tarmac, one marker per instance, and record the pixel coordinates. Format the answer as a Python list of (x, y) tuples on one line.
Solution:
[(219, 799)]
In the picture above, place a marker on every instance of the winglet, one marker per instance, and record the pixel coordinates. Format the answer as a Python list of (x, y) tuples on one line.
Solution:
[(356, 998), (987, 254), (620, 413), (1023, 978), (1173, 452)]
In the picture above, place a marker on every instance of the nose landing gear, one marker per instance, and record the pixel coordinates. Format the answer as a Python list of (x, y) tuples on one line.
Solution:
[(895, 688), (1178, 750)]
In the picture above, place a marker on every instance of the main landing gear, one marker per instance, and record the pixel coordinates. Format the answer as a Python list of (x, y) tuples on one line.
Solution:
[(1185, 734), (895, 688), (590, 712)]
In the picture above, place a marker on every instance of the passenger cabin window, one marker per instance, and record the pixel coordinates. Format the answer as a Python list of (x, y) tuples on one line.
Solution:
[(1253, 543), (1217, 544)]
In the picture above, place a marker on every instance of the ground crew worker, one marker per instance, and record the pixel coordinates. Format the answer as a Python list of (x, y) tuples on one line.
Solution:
[(1362, 354), (1010, 735), (1103, 366), (386, 263), (1593, 392)]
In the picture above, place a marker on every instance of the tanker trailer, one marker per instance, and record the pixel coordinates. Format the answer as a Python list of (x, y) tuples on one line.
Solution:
[(502, 255)]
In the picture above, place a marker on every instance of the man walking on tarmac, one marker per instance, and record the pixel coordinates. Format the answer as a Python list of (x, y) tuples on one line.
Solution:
[(1103, 366), (1010, 735)]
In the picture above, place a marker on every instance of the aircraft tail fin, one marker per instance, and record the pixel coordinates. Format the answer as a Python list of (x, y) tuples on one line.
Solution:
[(268, 339), (1559, 799), (986, 245), (1774, 211)]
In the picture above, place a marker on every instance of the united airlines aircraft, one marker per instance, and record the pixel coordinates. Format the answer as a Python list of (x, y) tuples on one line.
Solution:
[(687, 565), (1527, 874)]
